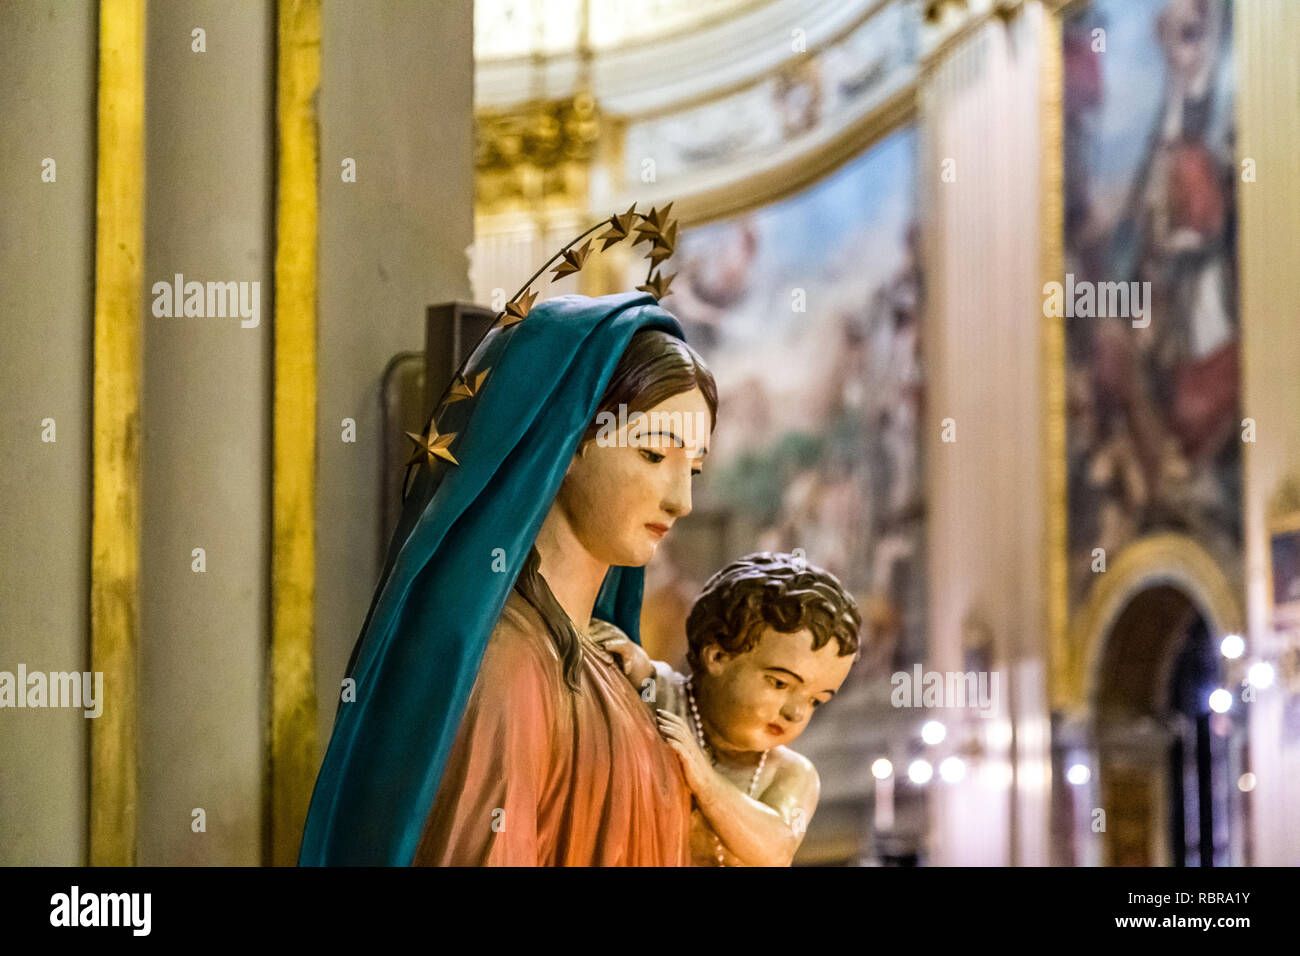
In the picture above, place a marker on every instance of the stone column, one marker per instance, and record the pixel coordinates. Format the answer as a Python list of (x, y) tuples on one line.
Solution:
[(47, 271)]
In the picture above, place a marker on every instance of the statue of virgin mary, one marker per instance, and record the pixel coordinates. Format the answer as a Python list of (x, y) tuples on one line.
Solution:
[(489, 726)]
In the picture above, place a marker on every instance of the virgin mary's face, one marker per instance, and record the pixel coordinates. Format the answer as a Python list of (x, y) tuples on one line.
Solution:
[(625, 489)]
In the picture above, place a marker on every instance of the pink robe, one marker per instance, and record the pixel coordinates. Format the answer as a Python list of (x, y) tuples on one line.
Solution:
[(541, 776)]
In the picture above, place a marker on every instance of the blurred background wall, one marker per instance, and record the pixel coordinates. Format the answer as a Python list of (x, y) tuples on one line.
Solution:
[(1268, 52)]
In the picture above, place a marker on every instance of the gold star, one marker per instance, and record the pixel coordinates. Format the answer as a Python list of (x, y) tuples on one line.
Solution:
[(462, 389), (652, 225), (662, 247), (619, 226), (572, 261), (436, 444), (658, 286), (517, 310)]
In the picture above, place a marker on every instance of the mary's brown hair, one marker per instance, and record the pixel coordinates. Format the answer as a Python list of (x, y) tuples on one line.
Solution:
[(654, 367)]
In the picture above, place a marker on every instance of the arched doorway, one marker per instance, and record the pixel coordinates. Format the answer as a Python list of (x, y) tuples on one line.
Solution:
[(1164, 759)]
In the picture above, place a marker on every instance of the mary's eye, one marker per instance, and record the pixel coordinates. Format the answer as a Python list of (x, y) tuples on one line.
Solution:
[(652, 456), (776, 682)]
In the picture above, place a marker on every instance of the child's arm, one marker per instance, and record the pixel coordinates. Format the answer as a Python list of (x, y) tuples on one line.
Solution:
[(765, 833)]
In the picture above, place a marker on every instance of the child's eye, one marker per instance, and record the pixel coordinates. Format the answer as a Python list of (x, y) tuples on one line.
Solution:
[(652, 456), (816, 703)]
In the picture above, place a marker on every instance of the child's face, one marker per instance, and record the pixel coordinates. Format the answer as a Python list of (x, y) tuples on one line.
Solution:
[(765, 697)]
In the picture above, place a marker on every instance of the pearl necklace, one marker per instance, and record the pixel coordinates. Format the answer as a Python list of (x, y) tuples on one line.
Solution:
[(699, 736)]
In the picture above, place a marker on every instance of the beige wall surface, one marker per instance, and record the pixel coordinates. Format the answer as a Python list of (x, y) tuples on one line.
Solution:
[(47, 266), (397, 97), (205, 425)]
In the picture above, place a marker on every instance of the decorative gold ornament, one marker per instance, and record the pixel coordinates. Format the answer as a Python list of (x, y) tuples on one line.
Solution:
[(431, 445), (652, 225), (573, 260), (663, 246), (658, 285), (655, 226), (461, 388), (541, 149), (517, 310), (619, 227)]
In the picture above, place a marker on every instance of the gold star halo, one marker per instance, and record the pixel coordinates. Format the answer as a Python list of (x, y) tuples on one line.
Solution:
[(652, 225), (434, 445), (462, 389), (573, 260), (658, 284), (517, 310), (662, 247), (656, 226), (619, 227)]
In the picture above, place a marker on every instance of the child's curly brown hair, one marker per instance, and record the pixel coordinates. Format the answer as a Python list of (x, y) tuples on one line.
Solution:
[(771, 589)]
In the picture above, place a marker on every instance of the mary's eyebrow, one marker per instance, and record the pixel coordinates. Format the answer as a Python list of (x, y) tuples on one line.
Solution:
[(676, 441)]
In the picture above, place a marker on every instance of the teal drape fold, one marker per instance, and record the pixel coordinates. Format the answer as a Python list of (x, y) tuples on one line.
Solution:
[(464, 534)]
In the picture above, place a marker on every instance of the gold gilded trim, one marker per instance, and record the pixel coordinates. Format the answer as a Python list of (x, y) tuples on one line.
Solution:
[(1062, 666), (535, 155), (1160, 559), (293, 738), (1061, 8), (115, 454)]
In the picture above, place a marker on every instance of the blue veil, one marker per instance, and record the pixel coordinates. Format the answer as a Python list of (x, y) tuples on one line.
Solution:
[(462, 539)]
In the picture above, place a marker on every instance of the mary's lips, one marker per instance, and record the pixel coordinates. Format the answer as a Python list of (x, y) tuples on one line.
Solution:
[(659, 529)]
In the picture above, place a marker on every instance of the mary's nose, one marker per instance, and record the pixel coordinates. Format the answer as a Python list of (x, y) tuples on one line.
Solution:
[(677, 499)]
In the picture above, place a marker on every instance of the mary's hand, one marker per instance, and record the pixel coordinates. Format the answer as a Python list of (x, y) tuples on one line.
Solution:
[(632, 658)]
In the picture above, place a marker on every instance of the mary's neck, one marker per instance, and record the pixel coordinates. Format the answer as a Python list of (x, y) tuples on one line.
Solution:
[(572, 573)]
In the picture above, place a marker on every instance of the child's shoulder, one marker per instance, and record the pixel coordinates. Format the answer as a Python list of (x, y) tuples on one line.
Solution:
[(792, 769), (669, 676), (670, 688)]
